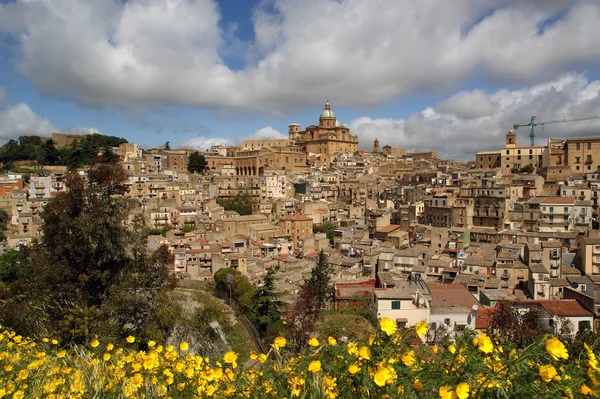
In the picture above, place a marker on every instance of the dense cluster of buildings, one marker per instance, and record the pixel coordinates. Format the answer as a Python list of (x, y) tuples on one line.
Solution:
[(421, 238)]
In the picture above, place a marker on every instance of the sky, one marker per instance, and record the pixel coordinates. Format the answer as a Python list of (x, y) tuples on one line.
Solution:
[(451, 76)]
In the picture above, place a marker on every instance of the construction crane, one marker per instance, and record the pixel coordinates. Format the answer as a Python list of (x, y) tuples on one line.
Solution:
[(533, 123)]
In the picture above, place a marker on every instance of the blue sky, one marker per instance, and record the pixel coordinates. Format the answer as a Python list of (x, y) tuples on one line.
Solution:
[(421, 75)]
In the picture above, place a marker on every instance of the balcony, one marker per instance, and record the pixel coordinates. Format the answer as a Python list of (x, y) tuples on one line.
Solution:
[(589, 161), (505, 276)]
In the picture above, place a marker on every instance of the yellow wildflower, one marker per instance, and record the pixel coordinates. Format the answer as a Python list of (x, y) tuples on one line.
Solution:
[(151, 344), (452, 349), (353, 369), (484, 343), (106, 357), (585, 390), (409, 358), (230, 357), (278, 343), (183, 346), (130, 339), (313, 342), (94, 343), (387, 325), (109, 347), (547, 372), (418, 386), (364, 353), (462, 390), (331, 341), (421, 329), (556, 349), (446, 392), (314, 366)]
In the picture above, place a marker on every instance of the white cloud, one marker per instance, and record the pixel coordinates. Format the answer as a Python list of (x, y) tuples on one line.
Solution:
[(204, 143), (266, 133), (2, 94), (84, 130), (20, 120), (461, 126), (356, 52)]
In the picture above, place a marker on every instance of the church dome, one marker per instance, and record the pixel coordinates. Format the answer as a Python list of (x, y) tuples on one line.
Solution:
[(327, 112)]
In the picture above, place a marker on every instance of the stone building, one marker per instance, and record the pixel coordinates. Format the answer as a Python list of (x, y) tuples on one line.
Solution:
[(327, 138)]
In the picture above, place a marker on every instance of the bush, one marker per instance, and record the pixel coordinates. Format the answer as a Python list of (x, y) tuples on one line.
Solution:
[(390, 364)]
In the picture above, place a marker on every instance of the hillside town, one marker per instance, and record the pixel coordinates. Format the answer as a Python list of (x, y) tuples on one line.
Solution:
[(417, 236)]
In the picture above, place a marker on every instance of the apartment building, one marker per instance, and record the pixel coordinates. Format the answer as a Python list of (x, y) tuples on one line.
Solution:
[(557, 214)]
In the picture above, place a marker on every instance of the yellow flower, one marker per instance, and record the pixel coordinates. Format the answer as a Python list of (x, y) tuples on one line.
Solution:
[(485, 344), (230, 357), (409, 359), (364, 353), (106, 357), (313, 342), (382, 376), (109, 347), (130, 339), (314, 366), (262, 358), (19, 395), (547, 372), (54, 342), (278, 343), (418, 386), (585, 390), (452, 349), (61, 354), (446, 392), (462, 390), (183, 346), (421, 329), (353, 369), (556, 349), (387, 325), (331, 341), (151, 344), (94, 343)]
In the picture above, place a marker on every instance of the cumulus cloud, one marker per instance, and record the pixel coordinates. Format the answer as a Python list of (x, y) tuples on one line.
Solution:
[(2, 94), (84, 130), (266, 133), (473, 121), (356, 52), (204, 143), (20, 120)]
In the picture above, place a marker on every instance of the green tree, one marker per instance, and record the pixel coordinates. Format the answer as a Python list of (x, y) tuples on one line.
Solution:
[(196, 163), (242, 203), (240, 285), (329, 229), (12, 264), (3, 221), (49, 154), (267, 304), (315, 295), (108, 155), (168, 145)]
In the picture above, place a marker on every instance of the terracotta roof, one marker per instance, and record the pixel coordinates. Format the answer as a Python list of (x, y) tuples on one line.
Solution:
[(388, 228), (451, 295), (483, 320), (564, 308), (296, 218), (559, 200)]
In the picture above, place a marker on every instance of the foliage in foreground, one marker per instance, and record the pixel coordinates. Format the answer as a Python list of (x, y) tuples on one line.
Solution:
[(390, 364)]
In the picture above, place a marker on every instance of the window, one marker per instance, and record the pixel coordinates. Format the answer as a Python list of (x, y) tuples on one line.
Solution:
[(395, 305), (577, 146), (584, 325), (551, 209), (566, 209), (589, 146)]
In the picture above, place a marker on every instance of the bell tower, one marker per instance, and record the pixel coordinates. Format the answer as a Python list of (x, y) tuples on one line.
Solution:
[(511, 139), (376, 146)]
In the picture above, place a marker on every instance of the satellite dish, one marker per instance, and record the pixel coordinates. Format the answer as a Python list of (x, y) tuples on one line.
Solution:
[(422, 301), (574, 285), (475, 307)]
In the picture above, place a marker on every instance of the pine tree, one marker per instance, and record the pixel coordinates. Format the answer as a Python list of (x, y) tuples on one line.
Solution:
[(196, 162), (267, 310), (315, 296)]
